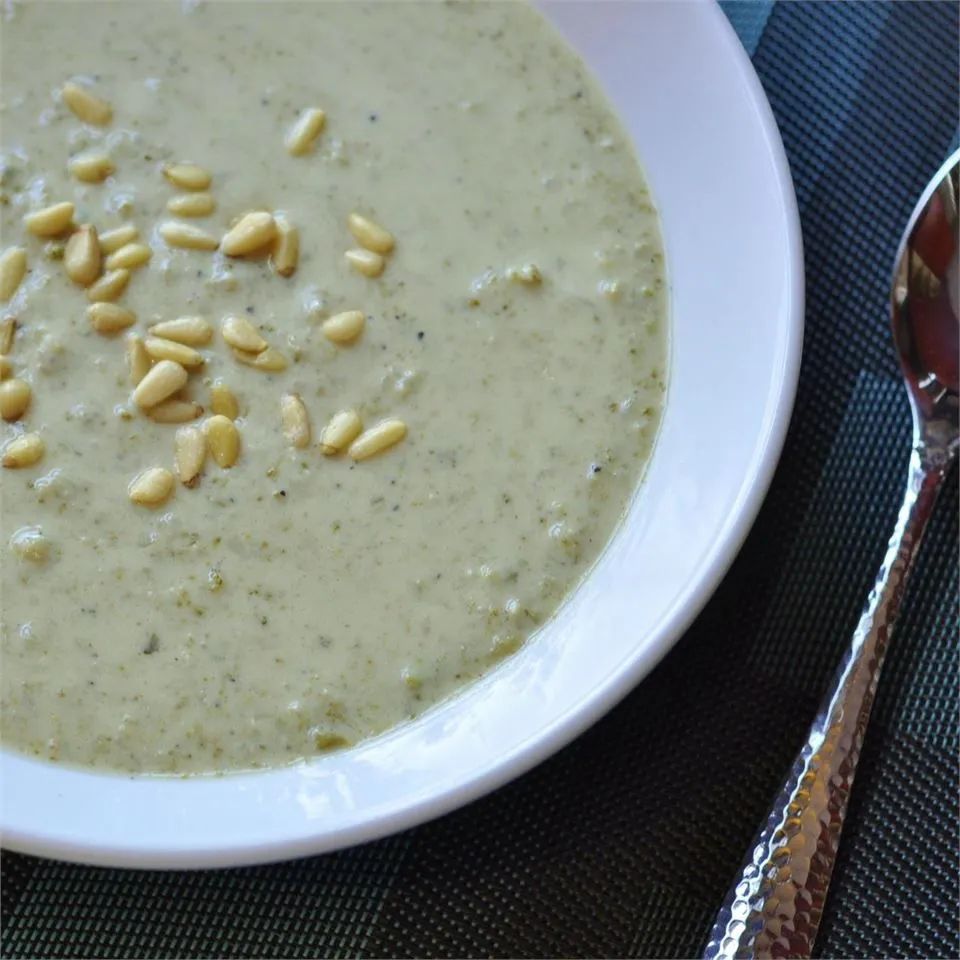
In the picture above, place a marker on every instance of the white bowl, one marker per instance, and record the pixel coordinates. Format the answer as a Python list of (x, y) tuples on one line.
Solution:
[(680, 80)]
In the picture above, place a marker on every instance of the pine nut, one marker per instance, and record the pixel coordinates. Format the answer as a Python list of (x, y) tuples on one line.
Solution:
[(193, 331), (369, 234), (301, 135), (223, 439), (344, 327), (86, 106), (223, 401), (286, 252), (270, 360), (191, 205), (159, 349), (13, 267), (175, 411), (294, 419), (91, 167), (130, 256), (8, 329), (343, 428), (529, 275), (138, 363), (241, 334), (161, 381), (110, 286), (14, 399), (377, 439), (188, 176), (22, 451), (367, 262), (6, 367), (187, 236), (252, 232), (190, 450), (51, 220), (119, 237), (110, 317), (81, 256), (152, 487)]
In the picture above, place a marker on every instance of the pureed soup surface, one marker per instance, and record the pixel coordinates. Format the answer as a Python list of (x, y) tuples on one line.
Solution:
[(287, 598)]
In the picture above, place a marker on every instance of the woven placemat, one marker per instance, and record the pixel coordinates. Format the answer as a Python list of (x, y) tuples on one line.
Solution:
[(623, 844)]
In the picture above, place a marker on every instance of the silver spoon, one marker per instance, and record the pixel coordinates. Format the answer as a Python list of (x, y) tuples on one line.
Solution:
[(774, 906)]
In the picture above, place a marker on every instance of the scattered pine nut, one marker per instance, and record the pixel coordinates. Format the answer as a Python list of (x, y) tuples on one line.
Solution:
[(187, 236), (193, 331), (175, 411), (302, 134), (86, 106), (529, 274), (252, 232), (223, 402), (51, 220), (241, 334), (138, 362), (109, 287), (269, 360), (14, 399), (343, 428), (152, 487), (377, 439), (129, 256), (190, 451), (369, 234), (286, 251), (344, 327), (81, 256), (294, 419), (91, 167), (191, 205), (161, 381), (6, 367), (13, 267), (159, 349), (367, 262), (223, 439), (8, 329), (110, 317), (119, 237), (22, 451), (188, 176)]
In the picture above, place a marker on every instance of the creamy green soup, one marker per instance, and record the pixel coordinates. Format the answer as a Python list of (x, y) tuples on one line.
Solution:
[(198, 574)]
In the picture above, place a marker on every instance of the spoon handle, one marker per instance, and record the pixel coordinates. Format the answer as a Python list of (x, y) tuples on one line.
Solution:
[(774, 906)]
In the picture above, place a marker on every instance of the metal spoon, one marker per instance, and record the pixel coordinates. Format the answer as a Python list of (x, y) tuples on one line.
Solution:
[(774, 906)]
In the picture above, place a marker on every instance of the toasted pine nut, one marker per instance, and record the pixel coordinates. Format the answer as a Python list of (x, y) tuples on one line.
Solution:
[(81, 256), (187, 236), (14, 399), (529, 274), (6, 367), (51, 220), (86, 106), (138, 362), (91, 167), (344, 327), (130, 256), (175, 411), (161, 381), (343, 428), (294, 419), (110, 317), (109, 286), (8, 329), (223, 401), (307, 128), (384, 435), (369, 234), (193, 331), (286, 251), (160, 349), (152, 487), (223, 439), (240, 333), (191, 205), (119, 237), (252, 232), (13, 267), (269, 360), (188, 176), (367, 262), (23, 451), (190, 450)]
